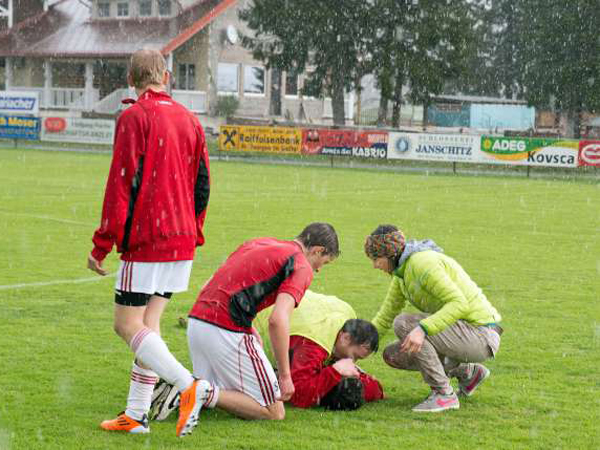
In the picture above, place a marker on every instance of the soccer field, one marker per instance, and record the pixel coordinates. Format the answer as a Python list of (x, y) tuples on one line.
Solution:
[(533, 245)]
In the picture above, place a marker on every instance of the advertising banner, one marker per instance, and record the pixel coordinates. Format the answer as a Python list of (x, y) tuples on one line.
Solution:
[(530, 151), (589, 153), (362, 144), (259, 139), (19, 102), (78, 130), (434, 147), (16, 127)]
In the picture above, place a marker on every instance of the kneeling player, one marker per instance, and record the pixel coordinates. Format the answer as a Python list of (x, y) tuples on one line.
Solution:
[(260, 273)]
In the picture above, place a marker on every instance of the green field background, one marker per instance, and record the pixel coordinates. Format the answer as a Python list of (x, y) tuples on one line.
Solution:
[(532, 244)]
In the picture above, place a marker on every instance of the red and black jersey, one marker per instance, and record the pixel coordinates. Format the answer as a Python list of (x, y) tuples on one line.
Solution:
[(158, 185), (250, 280), (313, 377)]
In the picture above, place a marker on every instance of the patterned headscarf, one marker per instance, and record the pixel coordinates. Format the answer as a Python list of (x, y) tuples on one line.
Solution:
[(390, 245)]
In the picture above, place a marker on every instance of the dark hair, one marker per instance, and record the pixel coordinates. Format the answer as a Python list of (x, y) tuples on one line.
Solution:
[(384, 229), (362, 332), (321, 234), (347, 395)]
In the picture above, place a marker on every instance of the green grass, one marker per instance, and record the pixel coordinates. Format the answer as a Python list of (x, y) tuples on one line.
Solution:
[(532, 244)]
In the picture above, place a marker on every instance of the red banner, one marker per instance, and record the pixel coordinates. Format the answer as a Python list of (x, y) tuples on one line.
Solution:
[(589, 153), (366, 144)]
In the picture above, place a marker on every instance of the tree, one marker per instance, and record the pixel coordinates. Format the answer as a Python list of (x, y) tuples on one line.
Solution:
[(562, 68), (327, 37), (423, 44), (494, 69)]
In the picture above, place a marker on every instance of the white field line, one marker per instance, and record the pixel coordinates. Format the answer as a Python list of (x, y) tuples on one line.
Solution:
[(43, 217), (52, 283)]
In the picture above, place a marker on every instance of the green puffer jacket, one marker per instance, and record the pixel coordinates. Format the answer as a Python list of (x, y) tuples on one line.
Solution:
[(436, 284)]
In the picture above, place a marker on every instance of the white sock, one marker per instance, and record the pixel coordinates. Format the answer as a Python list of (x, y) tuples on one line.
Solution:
[(140, 391), (213, 396), (151, 350)]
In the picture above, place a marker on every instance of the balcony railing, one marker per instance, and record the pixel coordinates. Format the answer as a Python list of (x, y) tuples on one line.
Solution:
[(195, 101), (68, 98)]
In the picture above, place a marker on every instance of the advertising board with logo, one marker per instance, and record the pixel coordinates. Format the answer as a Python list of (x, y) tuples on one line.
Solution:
[(362, 144), (259, 139), (589, 153), (530, 151), (17, 127), (19, 102), (434, 147), (78, 130)]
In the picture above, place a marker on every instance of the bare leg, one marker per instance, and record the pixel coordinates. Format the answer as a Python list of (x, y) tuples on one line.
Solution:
[(246, 407)]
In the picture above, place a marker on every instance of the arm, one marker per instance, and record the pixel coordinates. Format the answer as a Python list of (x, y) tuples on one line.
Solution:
[(128, 148), (392, 305), (202, 185), (279, 332), (311, 379), (373, 390)]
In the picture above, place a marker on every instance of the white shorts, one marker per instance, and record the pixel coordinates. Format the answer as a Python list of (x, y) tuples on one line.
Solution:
[(232, 361), (153, 277)]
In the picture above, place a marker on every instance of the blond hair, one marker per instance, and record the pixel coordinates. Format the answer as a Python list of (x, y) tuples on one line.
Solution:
[(147, 67)]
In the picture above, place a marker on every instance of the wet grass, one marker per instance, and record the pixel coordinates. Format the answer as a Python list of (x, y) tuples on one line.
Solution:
[(532, 244)]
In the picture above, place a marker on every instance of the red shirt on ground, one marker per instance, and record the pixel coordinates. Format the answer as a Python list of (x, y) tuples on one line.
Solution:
[(158, 185), (250, 280), (313, 379)]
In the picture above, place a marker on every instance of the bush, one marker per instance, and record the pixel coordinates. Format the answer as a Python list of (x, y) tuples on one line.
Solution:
[(227, 105)]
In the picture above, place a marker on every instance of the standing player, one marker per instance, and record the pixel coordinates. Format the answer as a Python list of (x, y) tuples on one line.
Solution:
[(457, 328), (223, 348), (154, 210)]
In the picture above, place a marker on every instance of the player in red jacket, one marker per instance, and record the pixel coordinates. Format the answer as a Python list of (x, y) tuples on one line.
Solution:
[(154, 210), (223, 347), (321, 378)]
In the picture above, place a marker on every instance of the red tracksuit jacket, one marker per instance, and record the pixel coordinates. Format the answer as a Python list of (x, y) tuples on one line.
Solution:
[(158, 185), (313, 379)]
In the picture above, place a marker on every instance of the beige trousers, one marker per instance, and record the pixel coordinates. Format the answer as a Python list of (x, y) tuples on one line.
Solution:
[(444, 355)]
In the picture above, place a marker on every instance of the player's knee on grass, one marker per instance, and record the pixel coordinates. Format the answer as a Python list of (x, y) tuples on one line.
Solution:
[(276, 411)]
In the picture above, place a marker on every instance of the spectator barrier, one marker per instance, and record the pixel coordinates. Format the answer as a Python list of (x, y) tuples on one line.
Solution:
[(376, 144), (368, 144)]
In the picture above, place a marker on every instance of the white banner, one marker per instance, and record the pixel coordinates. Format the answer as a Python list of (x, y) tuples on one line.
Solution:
[(78, 130), (435, 147), (19, 102)]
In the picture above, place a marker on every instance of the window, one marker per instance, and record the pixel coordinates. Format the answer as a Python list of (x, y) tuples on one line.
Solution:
[(164, 7), (186, 77), (103, 9), (122, 9), (291, 84), (145, 8), (254, 80), (227, 78)]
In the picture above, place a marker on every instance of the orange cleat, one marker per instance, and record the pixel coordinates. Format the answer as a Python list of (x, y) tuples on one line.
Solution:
[(125, 423), (190, 404)]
